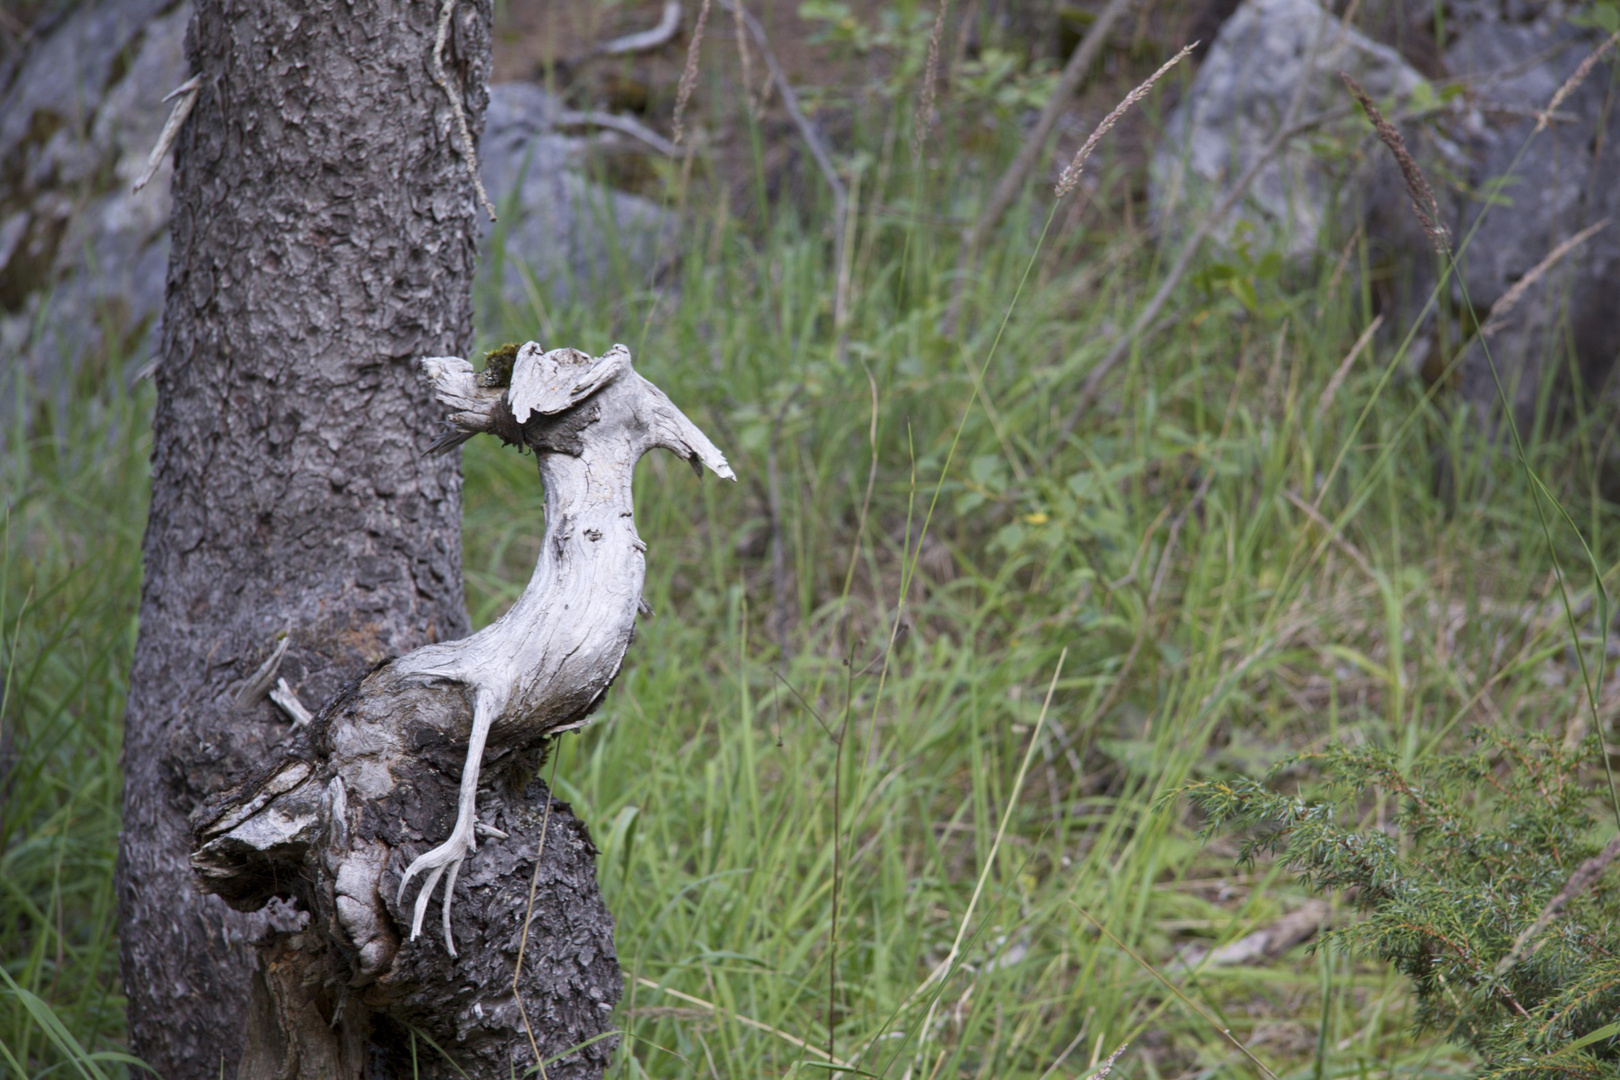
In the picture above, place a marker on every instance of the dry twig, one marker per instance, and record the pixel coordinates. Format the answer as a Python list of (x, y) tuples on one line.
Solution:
[(187, 93), (260, 682), (287, 701), (469, 149)]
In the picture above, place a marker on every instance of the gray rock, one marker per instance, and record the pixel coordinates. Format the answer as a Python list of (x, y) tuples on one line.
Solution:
[(83, 260), (1512, 57), (1268, 52), (63, 80), (560, 236), (1564, 181)]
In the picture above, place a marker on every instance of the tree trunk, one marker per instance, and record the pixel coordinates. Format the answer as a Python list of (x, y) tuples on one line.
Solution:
[(323, 239), (340, 822)]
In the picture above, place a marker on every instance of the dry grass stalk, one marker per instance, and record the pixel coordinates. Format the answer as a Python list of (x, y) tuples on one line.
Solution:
[(1334, 536), (746, 1021), (746, 61), (1575, 730), (807, 130), (925, 101), (1501, 309), (1147, 320), (1582, 879), (683, 92), (1067, 1050), (1113, 1059), (1424, 204), (1343, 371), (1071, 175), (1575, 79)]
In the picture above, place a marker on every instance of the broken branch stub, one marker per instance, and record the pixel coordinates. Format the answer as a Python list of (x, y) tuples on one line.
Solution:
[(394, 781)]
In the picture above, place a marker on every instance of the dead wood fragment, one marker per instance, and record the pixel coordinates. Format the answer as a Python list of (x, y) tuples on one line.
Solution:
[(441, 746)]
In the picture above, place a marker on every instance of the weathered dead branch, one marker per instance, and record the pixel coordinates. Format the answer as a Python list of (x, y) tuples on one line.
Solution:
[(443, 744)]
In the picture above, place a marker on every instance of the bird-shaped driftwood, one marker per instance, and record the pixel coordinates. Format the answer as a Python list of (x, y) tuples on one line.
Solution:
[(331, 824), (541, 668)]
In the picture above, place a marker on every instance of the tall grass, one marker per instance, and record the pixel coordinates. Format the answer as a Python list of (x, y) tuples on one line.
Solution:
[(1232, 567), (1237, 567), (75, 503)]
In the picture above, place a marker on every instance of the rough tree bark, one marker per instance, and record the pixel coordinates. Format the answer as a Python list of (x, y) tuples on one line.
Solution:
[(323, 239), (526, 967)]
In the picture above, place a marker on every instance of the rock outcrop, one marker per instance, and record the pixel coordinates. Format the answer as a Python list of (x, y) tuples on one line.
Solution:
[(1509, 60), (1567, 180), (559, 236), (82, 259), (1268, 54)]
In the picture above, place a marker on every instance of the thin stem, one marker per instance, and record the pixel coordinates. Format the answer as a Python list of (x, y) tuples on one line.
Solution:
[(837, 878), (528, 917)]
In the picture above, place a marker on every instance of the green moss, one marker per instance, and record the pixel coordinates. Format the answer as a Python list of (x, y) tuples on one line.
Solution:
[(498, 366)]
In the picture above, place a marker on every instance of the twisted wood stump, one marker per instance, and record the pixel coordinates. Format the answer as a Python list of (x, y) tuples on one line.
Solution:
[(440, 747)]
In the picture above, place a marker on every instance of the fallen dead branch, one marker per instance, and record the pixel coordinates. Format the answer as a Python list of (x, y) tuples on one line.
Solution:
[(1091, 389), (1013, 179), (807, 130), (626, 125), (669, 23)]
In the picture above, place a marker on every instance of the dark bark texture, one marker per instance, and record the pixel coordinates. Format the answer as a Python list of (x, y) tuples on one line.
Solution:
[(323, 238), (398, 776), (332, 825)]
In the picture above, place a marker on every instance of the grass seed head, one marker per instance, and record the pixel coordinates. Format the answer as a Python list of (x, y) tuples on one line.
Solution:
[(1575, 79), (1424, 204), (925, 100), (683, 92), (1071, 175)]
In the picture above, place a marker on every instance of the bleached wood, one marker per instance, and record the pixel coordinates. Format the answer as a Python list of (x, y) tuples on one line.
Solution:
[(541, 667), (330, 824)]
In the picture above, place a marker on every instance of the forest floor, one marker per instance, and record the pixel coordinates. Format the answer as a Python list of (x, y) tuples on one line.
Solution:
[(891, 775)]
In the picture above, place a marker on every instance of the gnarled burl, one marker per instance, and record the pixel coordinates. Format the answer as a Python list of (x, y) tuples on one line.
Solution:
[(424, 771)]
